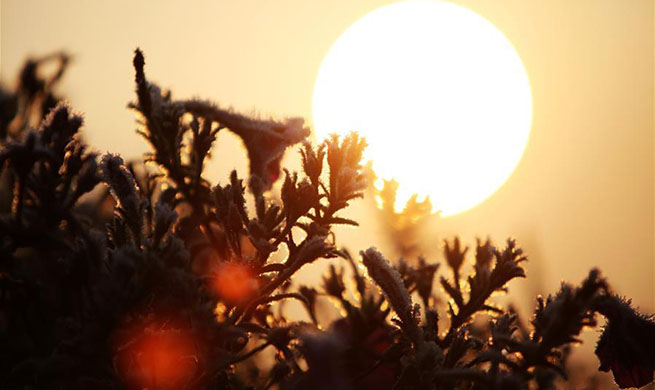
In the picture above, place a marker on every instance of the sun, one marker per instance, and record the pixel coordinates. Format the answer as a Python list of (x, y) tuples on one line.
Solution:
[(440, 94)]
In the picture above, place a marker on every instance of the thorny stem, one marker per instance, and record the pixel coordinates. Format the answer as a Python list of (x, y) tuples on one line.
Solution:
[(271, 298), (465, 312), (194, 202), (269, 288), (248, 354), (282, 235)]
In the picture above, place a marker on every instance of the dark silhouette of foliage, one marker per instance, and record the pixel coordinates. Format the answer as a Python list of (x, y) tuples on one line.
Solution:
[(177, 289)]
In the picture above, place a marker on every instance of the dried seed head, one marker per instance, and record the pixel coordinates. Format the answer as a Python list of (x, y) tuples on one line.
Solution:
[(123, 188), (390, 282), (265, 140), (627, 344), (121, 183)]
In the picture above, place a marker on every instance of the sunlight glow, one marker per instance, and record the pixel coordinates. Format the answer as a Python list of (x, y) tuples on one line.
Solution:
[(234, 282), (440, 94), (156, 355)]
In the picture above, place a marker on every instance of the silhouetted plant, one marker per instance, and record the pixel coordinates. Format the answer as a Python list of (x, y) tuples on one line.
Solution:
[(178, 290)]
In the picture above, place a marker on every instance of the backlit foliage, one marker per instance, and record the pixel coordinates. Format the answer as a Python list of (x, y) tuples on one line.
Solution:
[(181, 284)]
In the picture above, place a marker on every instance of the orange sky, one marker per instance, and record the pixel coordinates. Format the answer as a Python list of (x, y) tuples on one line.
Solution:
[(581, 197)]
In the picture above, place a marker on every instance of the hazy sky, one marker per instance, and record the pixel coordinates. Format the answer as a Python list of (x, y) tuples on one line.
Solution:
[(581, 197)]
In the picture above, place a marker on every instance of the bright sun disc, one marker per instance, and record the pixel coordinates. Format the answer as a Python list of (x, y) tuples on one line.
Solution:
[(440, 95)]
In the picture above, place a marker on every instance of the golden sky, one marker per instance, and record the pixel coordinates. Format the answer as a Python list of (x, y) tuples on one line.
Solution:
[(582, 196)]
